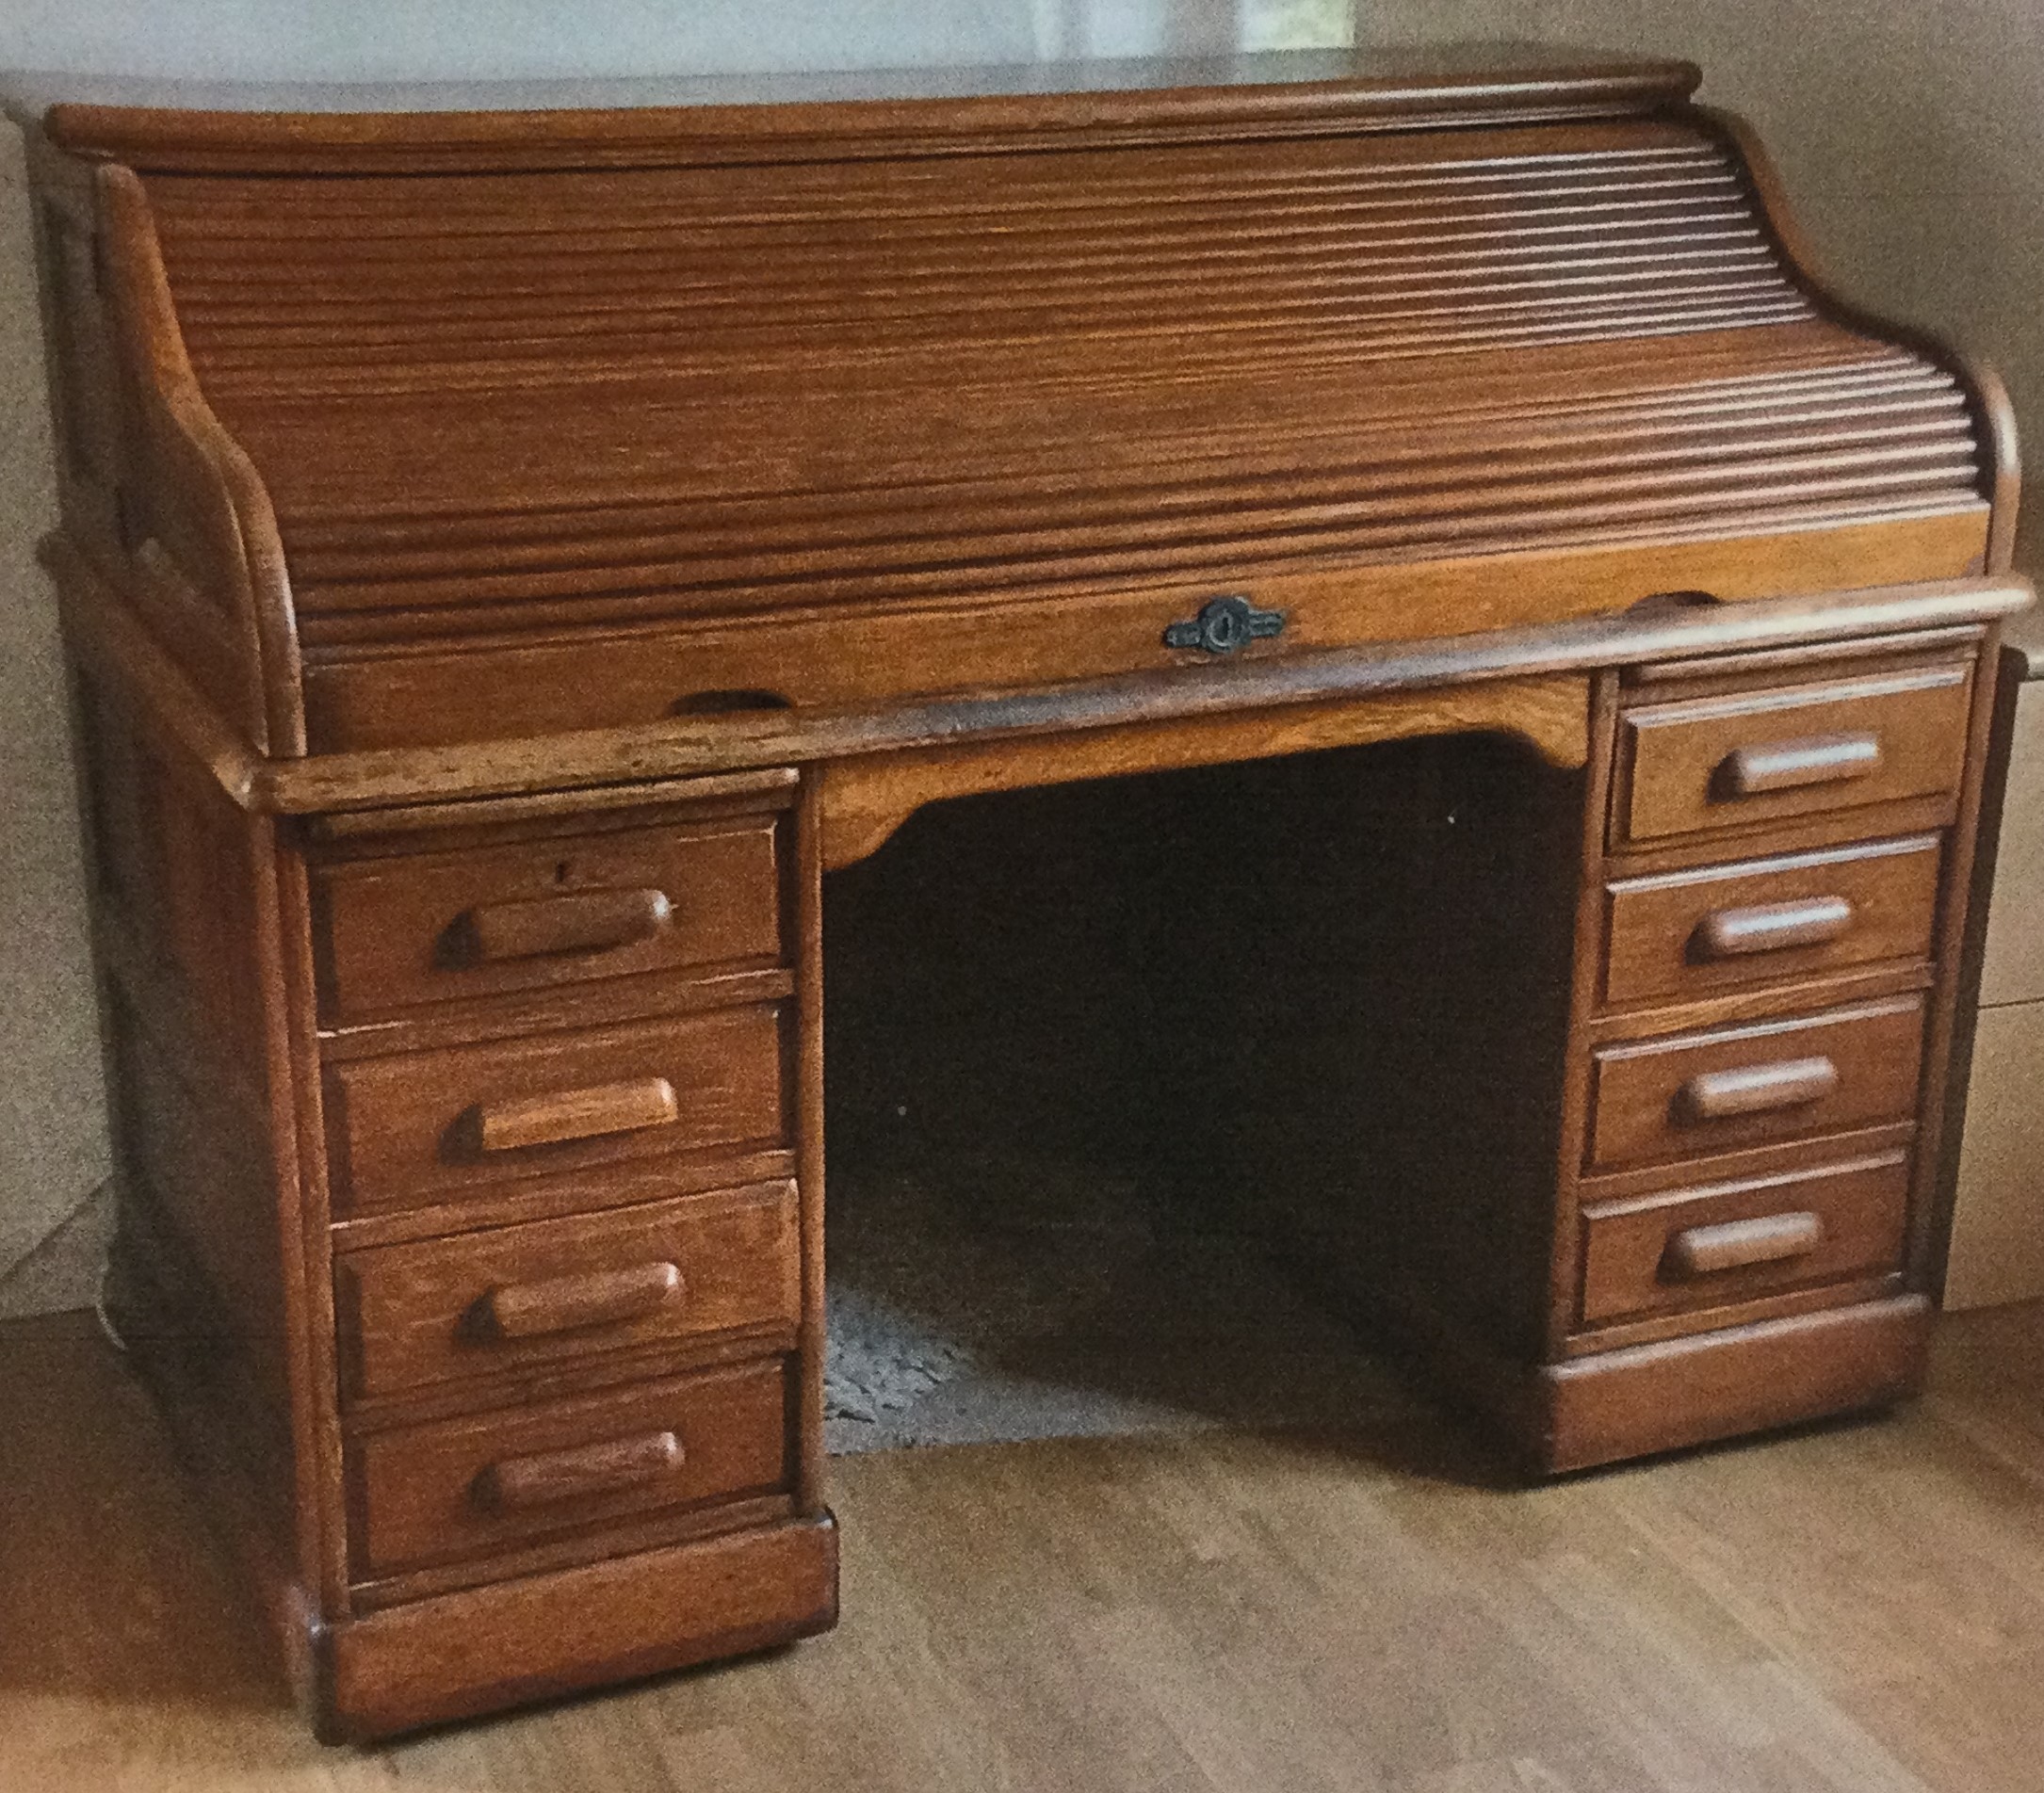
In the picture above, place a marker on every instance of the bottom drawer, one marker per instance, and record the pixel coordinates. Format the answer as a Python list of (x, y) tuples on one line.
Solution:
[(1705, 1247), (461, 1488)]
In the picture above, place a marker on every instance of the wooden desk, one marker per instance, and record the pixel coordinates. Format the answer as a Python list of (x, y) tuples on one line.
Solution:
[(517, 544)]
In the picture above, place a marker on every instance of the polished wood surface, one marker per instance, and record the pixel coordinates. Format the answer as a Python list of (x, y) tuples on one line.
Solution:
[(1695, 1094), (568, 907), (434, 1122), (1012, 461), (511, 556), (1724, 926), (1700, 1387), (1126, 1612), (1694, 1247), (481, 1483), (1741, 760), (100, 627), (509, 1298)]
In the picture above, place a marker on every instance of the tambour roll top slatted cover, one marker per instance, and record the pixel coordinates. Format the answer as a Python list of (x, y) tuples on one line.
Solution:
[(499, 402)]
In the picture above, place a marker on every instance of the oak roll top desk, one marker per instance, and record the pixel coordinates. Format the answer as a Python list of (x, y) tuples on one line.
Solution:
[(513, 545)]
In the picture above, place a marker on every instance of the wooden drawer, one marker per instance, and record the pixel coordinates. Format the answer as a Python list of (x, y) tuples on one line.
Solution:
[(1697, 1093), (485, 920), (1759, 756), (1690, 932), (422, 1126), (1704, 1247), (521, 1297), (466, 1487)]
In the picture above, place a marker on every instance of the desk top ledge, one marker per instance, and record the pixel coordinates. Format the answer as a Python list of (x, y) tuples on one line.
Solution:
[(103, 629), (307, 127)]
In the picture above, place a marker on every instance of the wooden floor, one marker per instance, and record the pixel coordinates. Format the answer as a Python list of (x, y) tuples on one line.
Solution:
[(1857, 1606)]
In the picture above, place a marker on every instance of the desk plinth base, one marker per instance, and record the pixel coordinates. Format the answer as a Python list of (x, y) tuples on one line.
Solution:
[(1644, 1399), (462, 1655), (1691, 1391)]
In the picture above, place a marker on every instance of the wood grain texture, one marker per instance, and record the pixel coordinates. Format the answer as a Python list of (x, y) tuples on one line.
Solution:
[(1762, 755), (1671, 1250), (1755, 921), (567, 123), (486, 921), (101, 630), (1099, 1612), (414, 1125), (461, 1487), (486, 1648), (1086, 362), (488, 1303), (512, 555), (1421, 252), (1689, 1095), (866, 800), (1689, 1391)]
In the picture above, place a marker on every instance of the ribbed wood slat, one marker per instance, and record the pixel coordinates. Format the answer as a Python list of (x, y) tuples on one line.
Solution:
[(710, 390)]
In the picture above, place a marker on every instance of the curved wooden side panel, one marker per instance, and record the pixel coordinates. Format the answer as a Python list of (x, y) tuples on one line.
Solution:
[(204, 536), (1994, 416)]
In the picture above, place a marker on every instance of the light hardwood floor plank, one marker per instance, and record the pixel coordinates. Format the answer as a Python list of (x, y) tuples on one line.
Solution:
[(1850, 1608)]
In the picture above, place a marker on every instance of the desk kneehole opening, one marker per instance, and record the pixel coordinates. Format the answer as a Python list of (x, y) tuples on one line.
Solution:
[(583, 1472)]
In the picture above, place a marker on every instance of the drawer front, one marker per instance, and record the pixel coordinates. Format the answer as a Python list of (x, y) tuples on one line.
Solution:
[(521, 1297), (431, 1125), (1699, 1093), (1690, 932), (397, 932), (1760, 756), (1704, 1247), (466, 1487)]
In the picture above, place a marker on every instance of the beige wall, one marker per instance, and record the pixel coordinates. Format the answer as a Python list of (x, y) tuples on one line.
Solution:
[(1912, 136), (52, 1138)]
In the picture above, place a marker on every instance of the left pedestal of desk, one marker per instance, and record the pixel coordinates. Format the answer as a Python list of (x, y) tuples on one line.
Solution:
[(471, 1214)]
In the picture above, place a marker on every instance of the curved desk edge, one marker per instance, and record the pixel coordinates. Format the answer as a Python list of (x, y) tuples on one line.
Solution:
[(104, 629)]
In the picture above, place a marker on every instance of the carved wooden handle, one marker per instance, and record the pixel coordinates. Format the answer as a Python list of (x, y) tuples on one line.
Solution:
[(516, 1483), (1702, 1251), (1730, 934), (1811, 759), (576, 921), (576, 1114), (566, 1304), (1762, 1089)]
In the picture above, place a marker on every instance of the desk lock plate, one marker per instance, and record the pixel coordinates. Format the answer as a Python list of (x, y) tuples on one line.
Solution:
[(1223, 625)]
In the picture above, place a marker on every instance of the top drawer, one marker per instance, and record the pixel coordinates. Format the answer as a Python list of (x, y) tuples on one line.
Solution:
[(1758, 757), (485, 920)]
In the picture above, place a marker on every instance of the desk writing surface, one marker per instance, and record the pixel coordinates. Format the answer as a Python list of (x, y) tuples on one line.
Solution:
[(473, 518)]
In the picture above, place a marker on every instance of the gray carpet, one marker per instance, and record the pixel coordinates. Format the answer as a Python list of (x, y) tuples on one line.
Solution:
[(1007, 1299)]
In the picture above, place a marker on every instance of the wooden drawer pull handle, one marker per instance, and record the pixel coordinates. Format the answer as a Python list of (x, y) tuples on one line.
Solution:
[(517, 1483), (568, 1303), (1732, 933), (562, 1115), (1703, 1251), (578, 921), (1811, 759), (1762, 1089)]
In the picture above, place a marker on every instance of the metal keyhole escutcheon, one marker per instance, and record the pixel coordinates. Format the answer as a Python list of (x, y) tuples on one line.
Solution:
[(1224, 626)]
